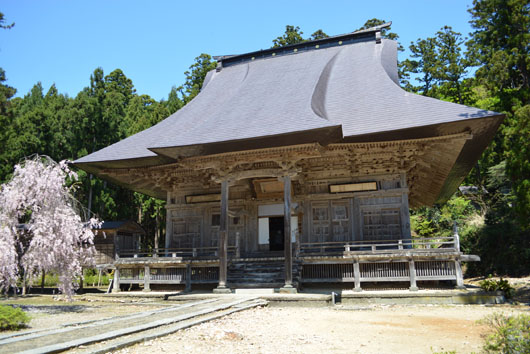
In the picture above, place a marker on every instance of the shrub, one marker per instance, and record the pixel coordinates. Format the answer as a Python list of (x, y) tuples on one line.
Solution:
[(503, 285), (12, 318), (511, 334), (503, 248), (93, 279)]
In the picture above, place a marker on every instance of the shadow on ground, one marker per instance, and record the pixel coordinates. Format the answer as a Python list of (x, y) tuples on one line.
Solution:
[(53, 309)]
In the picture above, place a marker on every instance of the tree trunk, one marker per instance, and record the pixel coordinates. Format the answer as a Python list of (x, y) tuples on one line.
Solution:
[(90, 195), (24, 287), (157, 232)]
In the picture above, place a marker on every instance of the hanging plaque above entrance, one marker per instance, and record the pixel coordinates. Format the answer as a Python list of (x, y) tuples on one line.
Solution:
[(353, 187)]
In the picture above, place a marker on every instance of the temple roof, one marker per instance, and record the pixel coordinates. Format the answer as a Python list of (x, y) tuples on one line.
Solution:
[(340, 89)]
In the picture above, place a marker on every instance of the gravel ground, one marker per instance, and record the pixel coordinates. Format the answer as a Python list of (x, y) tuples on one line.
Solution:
[(371, 329)]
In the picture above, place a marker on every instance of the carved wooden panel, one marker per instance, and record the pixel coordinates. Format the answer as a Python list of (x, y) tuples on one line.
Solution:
[(340, 220), (330, 221), (320, 222), (381, 224), (186, 233)]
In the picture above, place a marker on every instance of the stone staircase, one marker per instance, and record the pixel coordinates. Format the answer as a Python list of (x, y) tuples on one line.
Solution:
[(259, 273)]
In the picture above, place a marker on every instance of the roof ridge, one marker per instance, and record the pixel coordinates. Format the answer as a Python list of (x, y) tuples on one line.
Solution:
[(372, 33)]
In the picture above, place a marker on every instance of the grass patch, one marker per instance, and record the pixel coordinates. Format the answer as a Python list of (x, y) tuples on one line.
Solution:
[(12, 318), (511, 334)]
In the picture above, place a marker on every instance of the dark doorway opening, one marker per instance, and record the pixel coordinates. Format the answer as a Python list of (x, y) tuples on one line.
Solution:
[(276, 239)]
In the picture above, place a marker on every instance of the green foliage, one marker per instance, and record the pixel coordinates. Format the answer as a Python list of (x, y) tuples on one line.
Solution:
[(440, 66), (293, 35), (12, 318), (511, 334), (503, 249), (91, 277), (518, 162), (422, 226), (318, 34), (195, 77), (50, 281), (500, 43), (385, 32), (439, 220), (490, 284), (3, 22)]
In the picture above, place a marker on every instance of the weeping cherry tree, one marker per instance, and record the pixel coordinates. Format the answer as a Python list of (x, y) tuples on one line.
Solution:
[(40, 229)]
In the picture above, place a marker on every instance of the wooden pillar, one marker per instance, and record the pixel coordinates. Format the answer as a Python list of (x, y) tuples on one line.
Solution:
[(223, 239), (115, 243), (356, 220), (412, 271), (147, 278), (357, 276), (405, 214), (459, 275), (287, 245), (188, 278), (116, 281), (169, 223)]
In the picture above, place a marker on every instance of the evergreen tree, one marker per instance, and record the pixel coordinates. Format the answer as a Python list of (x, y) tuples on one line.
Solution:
[(292, 35)]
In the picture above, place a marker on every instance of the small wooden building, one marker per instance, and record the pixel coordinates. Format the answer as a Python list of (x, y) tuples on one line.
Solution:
[(297, 165), (114, 237)]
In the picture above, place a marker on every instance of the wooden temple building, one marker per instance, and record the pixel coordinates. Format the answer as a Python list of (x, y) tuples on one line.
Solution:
[(298, 165), (113, 236)]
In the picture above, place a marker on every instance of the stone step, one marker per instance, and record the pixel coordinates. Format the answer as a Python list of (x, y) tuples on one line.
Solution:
[(256, 285)]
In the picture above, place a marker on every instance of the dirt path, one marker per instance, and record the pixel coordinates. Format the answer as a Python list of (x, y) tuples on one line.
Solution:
[(374, 329)]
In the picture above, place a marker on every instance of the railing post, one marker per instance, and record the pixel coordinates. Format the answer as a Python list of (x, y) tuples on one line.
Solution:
[(374, 248), (147, 278), (116, 282), (412, 273), (238, 248), (357, 276), (400, 244), (347, 247), (194, 252), (456, 236), (459, 275), (188, 278)]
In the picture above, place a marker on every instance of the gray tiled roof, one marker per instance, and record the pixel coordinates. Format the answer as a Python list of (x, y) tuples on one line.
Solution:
[(351, 87)]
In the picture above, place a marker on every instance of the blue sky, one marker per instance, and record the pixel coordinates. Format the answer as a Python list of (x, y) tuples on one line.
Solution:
[(154, 42)]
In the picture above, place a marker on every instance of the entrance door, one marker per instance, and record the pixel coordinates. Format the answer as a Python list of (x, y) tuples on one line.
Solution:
[(276, 239)]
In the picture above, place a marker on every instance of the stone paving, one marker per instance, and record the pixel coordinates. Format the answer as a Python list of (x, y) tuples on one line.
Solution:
[(85, 333)]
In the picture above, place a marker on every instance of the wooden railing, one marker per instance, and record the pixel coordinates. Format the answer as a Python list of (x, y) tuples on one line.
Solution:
[(451, 243), (193, 252)]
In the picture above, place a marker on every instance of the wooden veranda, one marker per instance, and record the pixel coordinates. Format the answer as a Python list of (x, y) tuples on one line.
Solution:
[(419, 259)]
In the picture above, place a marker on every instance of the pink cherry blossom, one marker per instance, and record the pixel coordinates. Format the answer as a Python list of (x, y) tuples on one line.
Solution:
[(40, 227)]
